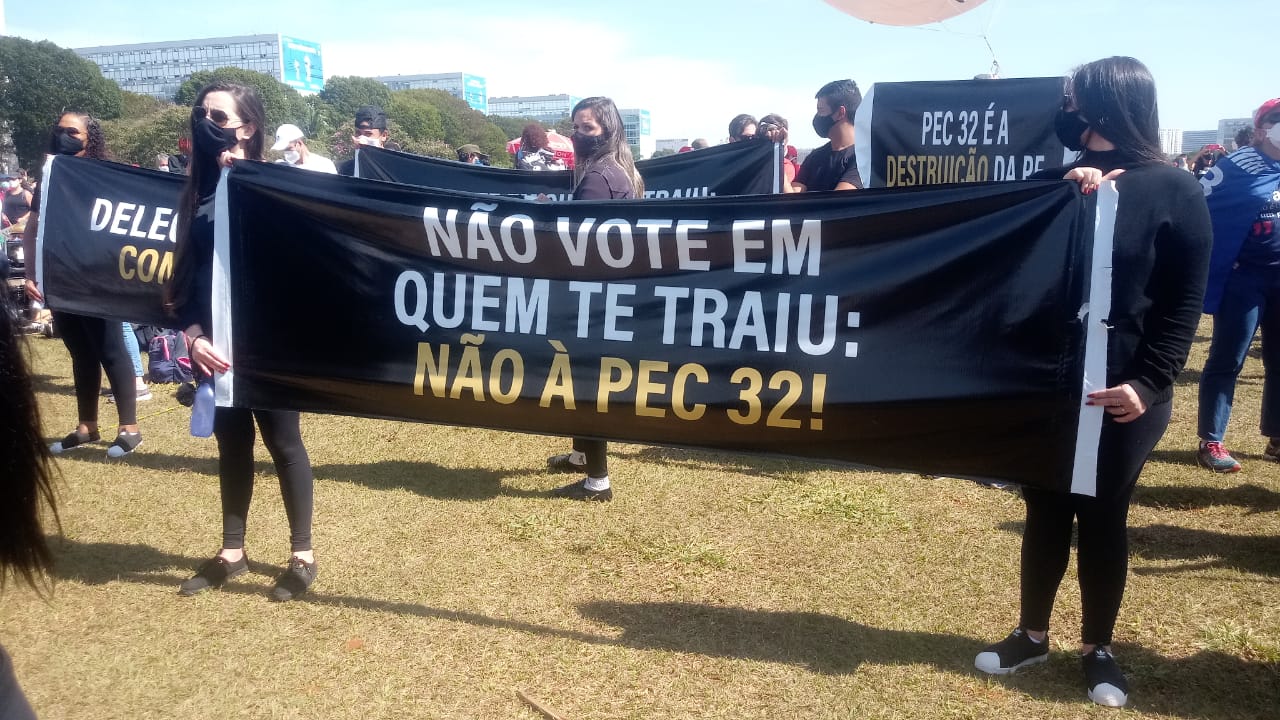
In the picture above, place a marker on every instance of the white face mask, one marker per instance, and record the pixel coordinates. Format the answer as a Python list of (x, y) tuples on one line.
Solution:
[(366, 140), (292, 156), (1274, 134)]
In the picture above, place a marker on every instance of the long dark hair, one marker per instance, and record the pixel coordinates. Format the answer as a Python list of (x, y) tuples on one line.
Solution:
[(615, 148), (202, 175), (738, 124), (95, 144), (1117, 97), (532, 138), (28, 474)]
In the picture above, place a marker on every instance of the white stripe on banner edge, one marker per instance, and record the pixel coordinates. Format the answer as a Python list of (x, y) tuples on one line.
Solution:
[(44, 203), (862, 118), (1084, 472), (221, 293)]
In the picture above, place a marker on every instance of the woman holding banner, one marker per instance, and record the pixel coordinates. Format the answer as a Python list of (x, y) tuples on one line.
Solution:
[(1160, 260), (93, 343), (227, 126), (603, 170)]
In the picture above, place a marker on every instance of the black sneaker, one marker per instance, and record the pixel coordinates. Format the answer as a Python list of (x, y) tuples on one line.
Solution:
[(564, 463), (295, 580), (1106, 682), (579, 491), (126, 442), (73, 441), (213, 574), (1012, 653)]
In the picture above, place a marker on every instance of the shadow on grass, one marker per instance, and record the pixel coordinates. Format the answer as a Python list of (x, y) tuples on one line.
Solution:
[(1177, 457), (1210, 684), (1210, 550), (1251, 497), (48, 384), (425, 479), (1259, 555), (164, 462)]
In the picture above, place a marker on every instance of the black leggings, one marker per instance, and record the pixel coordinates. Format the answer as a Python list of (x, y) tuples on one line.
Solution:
[(1102, 552), (282, 435), (96, 345), (597, 452)]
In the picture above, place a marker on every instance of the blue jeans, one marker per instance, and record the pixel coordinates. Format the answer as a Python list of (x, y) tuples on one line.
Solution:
[(131, 345), (1250, 299)]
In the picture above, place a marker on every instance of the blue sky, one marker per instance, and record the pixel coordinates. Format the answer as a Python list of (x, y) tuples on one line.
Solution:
[(695, 65)]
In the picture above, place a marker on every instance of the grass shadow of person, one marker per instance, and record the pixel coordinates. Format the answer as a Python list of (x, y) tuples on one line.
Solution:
[(144, 459), (50, 385), (1257, 555), (425, 479), (1253, 498), (103, 563), (822, 643), (1210, 685), (832, 645)]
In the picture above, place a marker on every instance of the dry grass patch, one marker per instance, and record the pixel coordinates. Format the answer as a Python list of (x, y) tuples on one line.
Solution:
[(714, 586)]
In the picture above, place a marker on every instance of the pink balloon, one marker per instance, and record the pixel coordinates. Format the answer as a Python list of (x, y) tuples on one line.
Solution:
[(904, 12)]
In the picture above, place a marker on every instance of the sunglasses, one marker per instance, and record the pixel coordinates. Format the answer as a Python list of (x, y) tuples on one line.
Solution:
[(1273, 118), (219, 117)]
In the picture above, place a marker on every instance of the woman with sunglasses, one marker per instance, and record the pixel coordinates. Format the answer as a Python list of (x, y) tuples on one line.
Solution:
[(94, 344), (1159, 261), (227, 126), (603, 170)]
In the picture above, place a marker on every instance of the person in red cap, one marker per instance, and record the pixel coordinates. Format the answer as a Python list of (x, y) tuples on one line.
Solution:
[(1243, 293)]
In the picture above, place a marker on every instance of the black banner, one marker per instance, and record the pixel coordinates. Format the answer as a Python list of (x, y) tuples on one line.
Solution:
[(930, 330), (938, 132), (732, 169), (105, 240)]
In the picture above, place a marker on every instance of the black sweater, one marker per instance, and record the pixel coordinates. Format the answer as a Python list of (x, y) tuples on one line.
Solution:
[(1160, 262), (198, 307)]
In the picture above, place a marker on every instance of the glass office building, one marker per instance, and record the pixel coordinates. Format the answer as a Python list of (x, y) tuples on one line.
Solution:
[(544, 108), (470, 88), (159, 69)]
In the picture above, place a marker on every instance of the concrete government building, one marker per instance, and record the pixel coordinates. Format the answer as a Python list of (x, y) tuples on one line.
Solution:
[(158, 69)]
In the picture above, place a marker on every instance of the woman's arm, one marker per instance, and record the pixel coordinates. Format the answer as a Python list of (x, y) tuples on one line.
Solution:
[(29, 256)]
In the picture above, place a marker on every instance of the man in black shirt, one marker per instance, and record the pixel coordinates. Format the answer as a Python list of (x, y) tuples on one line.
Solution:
[(832, 166)]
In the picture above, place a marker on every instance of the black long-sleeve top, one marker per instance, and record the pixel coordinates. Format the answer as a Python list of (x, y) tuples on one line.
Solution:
[(1160, 261), (198, 307)]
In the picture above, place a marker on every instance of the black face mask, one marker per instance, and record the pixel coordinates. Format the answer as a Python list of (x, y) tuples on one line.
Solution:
[(64, 144), (207, 138), (1070, 127), (822, 124), (586, 146)]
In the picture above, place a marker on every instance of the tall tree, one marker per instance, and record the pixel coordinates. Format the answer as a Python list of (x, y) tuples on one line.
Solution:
[(462, 124), (138, 140), (282, 103), (40, 80), (344, 94)]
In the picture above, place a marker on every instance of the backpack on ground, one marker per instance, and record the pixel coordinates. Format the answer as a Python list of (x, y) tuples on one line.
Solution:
[(167, 356)]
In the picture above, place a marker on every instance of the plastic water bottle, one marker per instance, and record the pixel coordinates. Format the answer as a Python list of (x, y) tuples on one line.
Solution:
[(202, 409)]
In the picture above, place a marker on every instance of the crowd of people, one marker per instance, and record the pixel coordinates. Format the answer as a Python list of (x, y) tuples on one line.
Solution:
[(1164, 276)]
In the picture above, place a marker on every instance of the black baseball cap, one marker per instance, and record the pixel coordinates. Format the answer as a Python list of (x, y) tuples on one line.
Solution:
[(370, 117)]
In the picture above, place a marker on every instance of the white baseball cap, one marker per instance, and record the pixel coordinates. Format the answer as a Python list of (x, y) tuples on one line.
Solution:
[(287, 134)]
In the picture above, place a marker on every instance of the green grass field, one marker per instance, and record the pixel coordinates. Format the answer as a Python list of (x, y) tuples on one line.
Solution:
[(714, 586)]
